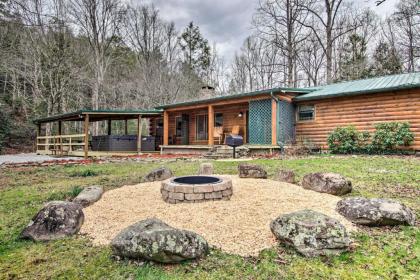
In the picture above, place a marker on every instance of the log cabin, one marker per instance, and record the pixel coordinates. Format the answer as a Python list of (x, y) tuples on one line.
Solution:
[(268, 120)]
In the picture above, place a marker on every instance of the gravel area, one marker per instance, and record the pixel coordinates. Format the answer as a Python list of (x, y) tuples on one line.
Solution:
[(239, 226), (32, 157)]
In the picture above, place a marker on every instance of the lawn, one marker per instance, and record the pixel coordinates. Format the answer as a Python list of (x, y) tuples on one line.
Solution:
[(390, 253)]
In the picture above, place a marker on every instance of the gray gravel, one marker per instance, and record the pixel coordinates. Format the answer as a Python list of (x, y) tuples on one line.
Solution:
[(32, 157)]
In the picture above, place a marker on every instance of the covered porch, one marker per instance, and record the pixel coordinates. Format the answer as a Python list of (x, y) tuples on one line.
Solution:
[(100, 133), (199, 128)]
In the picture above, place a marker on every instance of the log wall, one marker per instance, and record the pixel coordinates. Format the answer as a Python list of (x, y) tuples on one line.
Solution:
[(363, 111), (230, 118)]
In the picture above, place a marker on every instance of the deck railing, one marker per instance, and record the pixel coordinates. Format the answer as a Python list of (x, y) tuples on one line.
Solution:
[(60, 144)]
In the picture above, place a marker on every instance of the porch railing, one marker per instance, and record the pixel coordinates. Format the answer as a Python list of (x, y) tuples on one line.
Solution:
[(60, 144)]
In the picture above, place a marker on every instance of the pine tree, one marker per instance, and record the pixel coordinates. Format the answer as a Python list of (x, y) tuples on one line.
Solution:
[(196, 50), (386, 61), (354, 64)]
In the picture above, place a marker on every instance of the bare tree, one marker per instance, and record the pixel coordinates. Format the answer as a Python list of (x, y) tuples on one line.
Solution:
[(99, 21), (332, 19), (407, 25), (279, 22), (311, 59)]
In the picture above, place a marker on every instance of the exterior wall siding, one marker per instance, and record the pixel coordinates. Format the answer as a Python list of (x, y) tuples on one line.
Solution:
[(363, 111)]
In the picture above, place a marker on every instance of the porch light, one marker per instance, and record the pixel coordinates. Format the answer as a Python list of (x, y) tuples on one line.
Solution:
[(240, 115)]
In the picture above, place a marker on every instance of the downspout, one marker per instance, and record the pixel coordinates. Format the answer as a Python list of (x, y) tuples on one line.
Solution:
[(281, 144)]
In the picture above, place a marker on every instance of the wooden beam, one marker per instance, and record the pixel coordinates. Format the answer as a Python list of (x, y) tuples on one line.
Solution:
[(165, 128), (86, 132), (60, 141), (126, 126), (273, 122), (138, 134), (219, 103), (245, 127), (60, 128), (284, 96), (38, 134), (210, 125), (109, 126)]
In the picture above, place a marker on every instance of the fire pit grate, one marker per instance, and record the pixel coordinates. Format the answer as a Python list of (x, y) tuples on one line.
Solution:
[(197, 180)]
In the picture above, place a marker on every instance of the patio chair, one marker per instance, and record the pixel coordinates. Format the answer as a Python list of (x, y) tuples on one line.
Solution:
[(218, 134)]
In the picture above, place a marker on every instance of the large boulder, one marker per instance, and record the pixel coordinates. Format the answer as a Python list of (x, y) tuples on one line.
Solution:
[(89, 195), (247, 170), (331, 183), (206, 169), (158, 174), (311, 233), (56, 220), (154, 240), (287, 176), (375, 211)]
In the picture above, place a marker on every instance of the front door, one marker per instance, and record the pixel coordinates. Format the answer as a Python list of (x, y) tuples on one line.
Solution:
[(185, 124)]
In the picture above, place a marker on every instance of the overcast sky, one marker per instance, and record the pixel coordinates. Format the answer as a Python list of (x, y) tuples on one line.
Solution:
[(227, 22)]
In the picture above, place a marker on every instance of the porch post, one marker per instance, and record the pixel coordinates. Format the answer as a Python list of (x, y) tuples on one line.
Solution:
[(109, 127), (86, 132), (273, 122), (60, 140), (138, 134), (165, 128), (126, 127), (210, 125), (38, 134)]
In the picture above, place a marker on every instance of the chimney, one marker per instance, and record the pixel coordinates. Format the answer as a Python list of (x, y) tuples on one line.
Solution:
[(206, 92)]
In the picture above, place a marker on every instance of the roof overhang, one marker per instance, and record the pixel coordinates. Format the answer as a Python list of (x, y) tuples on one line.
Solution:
[(100, 115), (232, 97)]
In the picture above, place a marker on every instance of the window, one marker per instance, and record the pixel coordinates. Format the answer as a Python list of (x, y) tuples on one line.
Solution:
[(201, 127), (218, 119), (306, 112), (178, 126)]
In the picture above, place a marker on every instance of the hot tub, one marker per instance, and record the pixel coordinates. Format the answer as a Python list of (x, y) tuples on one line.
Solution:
[(122, 143)]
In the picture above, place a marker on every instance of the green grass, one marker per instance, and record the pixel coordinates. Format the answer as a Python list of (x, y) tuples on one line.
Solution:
[(391, 253)]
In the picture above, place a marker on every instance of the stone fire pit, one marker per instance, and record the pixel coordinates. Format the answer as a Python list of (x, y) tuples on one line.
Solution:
[(196, 189)]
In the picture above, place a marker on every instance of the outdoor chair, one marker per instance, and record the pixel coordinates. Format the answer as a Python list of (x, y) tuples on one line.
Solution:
[(218, 134)]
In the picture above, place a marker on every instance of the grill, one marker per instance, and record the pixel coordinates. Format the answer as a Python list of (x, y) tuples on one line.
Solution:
[(234, 141)]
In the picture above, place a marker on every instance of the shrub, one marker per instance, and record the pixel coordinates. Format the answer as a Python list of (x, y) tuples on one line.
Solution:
[(347, 140), (390, 136), (84, 173)]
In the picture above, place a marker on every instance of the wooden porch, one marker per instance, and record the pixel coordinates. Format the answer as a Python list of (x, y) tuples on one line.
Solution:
[(209, 124)]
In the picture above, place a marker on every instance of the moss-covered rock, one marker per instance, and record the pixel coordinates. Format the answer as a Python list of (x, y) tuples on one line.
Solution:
[(247, 170), (158, 174), (331, 183), (56, 220), (311, 233), (375, 211), (154, 240)]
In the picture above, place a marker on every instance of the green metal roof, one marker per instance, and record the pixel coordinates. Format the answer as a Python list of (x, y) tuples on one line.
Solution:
[(365, 86), (235, 96), (77, 115)]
